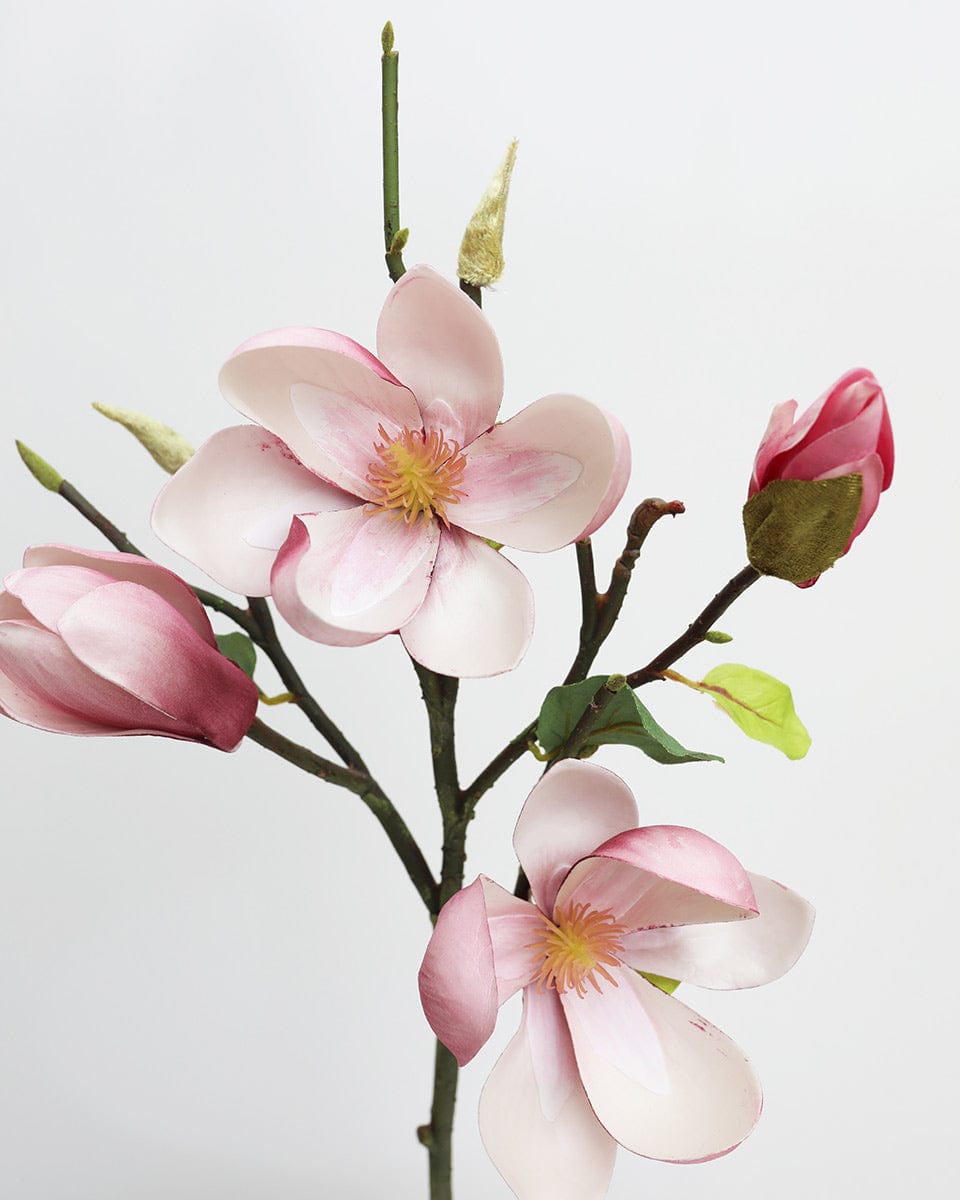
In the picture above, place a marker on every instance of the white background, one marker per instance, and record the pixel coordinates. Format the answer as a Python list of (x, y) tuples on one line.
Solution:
[(208, 961)]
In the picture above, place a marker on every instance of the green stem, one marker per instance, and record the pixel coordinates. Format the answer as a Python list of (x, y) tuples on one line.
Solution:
[(394, 237), (372, 795), (440, 698), (598, 616)]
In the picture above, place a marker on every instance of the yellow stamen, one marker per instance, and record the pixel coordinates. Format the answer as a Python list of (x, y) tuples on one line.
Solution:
[(577, 947), (417, 474)]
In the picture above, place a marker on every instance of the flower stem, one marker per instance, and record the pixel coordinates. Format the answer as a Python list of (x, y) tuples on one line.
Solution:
[(440, 698), (369, 791), (393, 236)]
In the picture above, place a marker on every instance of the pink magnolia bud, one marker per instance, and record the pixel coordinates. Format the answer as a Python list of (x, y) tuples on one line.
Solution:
[(98, 643), (846, 432)]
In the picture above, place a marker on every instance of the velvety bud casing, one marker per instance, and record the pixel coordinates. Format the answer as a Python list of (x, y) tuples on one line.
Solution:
[(98, 643)]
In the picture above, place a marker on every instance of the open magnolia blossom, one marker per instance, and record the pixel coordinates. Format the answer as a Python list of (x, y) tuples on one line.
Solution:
[(603, 1055), (364, 504), (97, 643)]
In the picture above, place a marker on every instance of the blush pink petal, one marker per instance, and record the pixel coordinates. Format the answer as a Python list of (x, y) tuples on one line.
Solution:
[(477, 617), (713, 1098), (129, 636), (551, 1051), (619, 477), (514, 924), (42, 684), (735, 954), (555, 430), (573, 808), (349, 577), (439, 343), (458, 985), (566, 1156), (685, 876), (133, 569), (228, 509), (277, 378), (47, 592)]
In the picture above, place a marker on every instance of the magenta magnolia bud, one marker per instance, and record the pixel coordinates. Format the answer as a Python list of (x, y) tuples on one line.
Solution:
[(98, 643), (846, 432)]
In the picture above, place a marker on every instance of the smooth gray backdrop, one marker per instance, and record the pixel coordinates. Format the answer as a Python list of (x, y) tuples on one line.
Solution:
[(208, 961)]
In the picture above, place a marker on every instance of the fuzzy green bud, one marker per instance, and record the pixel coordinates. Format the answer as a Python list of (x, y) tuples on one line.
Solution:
[(481, 251), (166, 447), (40, 469)]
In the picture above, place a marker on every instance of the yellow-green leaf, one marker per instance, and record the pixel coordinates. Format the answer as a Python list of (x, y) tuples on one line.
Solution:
[(761, 705)]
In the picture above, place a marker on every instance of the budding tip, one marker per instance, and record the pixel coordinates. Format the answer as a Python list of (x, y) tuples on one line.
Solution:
[(39, 468), (616, 683), (168, 449), (386, 38), (481, 260)]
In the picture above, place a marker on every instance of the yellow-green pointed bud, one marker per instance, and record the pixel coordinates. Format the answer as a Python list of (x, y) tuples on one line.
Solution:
[(166, 447), (481, 251), (386, 38), (40, 469), (717, 637)]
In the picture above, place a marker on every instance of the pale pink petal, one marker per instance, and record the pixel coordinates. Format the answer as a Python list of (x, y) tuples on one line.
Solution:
[(712, 1098), (661, 875), (477, 618), (12, 610), (573, 808), (228, 509), (458, 984), (47, 592), (612, 1024), (551, 1050), (282, 378), (564, 1156), (735, 954), (42, 684), (568, 439), (435, 339), (346, 578), (619, 477), (134, 569), (514, 924), (129, 636)]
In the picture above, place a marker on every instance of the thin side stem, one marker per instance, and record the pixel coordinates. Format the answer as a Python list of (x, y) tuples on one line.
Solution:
[(392, 235), (697, 628), (598, 616), (372, 795)]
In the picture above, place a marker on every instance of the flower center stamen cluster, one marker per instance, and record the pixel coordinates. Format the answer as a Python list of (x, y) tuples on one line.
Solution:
[(417, 474), (577, 947)]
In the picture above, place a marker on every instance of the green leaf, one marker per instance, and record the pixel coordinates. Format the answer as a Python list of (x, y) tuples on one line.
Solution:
[(796, 528), (240, 650), (625, 721), (661, 981), (761, 705)]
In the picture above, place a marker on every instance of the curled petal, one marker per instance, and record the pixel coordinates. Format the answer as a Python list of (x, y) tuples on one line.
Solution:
[(735, 954), (47, 592), (477, 618), (132, 568), (439, 343), (534, 515), (575, 807), (129, 636), (711, 1099), (301, 384), (346, 578), (228, 509), (547, 1144), (475, 961), (42, 684)]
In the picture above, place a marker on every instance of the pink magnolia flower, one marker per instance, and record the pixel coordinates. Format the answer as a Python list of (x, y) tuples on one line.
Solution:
[(364, 502), (846, 432), (98, 643), (603, 1055)]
